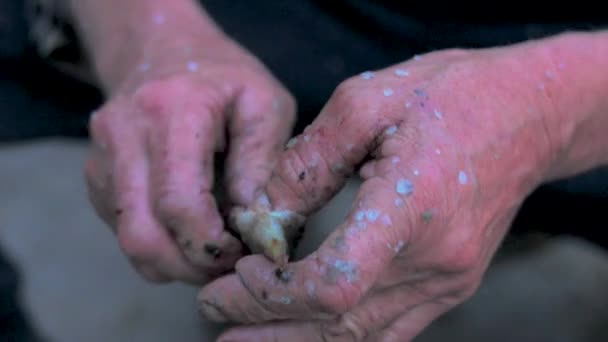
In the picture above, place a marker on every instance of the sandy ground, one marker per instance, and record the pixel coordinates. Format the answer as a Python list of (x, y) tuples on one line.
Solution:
[(78, 287)]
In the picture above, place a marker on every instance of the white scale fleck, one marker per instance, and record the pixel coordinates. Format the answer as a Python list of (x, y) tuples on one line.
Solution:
[(462, 177), (307, 138), (368, 75), (395, 160), (349, 147), (438, 114), (193, 66), (417, 58), (292, 142), (408, 104), (402, 72), (388, 92), (404, 187), (416, 172), (348, 268), (372, 215), (549, 75), (437, 151), (391, 130)]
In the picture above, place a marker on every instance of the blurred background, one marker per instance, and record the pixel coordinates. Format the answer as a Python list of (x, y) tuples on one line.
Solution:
[(547, 283)]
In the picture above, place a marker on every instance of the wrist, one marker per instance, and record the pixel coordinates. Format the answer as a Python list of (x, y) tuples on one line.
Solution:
[(576, 100), (141, 31)]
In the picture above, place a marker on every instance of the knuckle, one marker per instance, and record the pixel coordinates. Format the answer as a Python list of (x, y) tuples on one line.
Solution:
[(347, 97), (153, 97), (159, 97), (352, 104)]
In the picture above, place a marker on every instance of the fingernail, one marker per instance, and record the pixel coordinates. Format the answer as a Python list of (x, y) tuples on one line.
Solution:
[(210, 312)]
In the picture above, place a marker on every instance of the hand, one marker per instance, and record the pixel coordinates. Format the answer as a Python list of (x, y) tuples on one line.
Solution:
[(452, 143), (151, 171)]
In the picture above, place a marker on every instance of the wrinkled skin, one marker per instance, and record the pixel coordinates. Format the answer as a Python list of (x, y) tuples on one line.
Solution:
[(450, 151), (151, 171)]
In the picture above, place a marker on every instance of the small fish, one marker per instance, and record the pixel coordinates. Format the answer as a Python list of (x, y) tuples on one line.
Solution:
[(267, 231)]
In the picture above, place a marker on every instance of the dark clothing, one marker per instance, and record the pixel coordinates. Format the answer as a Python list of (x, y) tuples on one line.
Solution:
[(314, 45), (478, 12), (311, 46)]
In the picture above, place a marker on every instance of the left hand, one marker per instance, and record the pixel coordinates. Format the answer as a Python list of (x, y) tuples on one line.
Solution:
[(456, 141)]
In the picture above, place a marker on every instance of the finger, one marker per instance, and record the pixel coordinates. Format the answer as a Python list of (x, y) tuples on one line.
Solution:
[(314, 168), (259, 128), (375, 313), (142, 238), (151, 251), (182, 148), (318, 161), (331, 280)]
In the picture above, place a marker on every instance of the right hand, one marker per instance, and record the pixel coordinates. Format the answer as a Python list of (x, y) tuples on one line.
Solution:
[(448, 155), (150, 173)]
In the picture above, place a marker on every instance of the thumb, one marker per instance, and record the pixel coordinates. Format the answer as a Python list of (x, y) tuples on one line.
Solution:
[(316, 163), (310, 171)]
